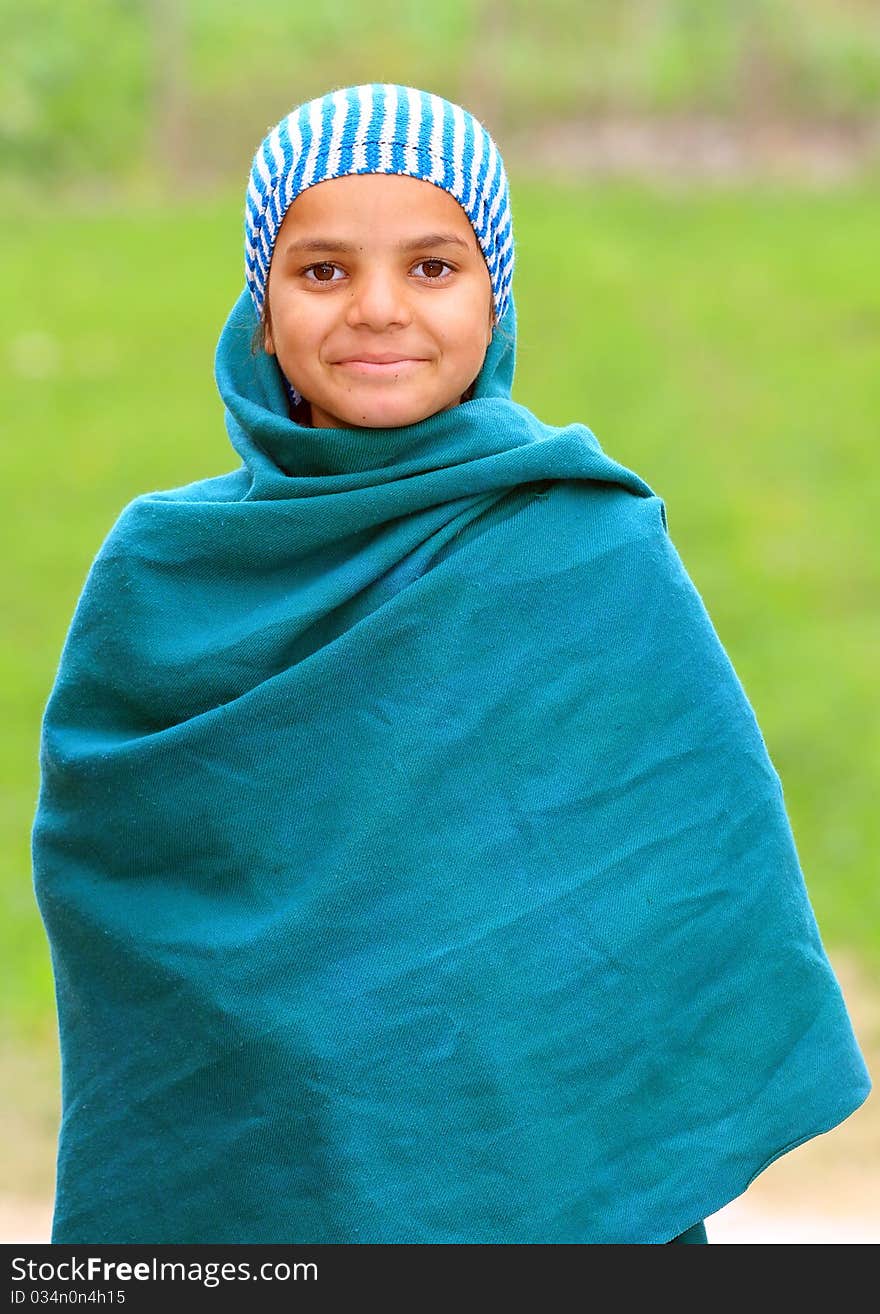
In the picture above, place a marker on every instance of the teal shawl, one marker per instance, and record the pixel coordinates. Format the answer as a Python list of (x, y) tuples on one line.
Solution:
[(412, 863)]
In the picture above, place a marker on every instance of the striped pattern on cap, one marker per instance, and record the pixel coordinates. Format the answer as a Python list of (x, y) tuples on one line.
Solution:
[(380, 127)]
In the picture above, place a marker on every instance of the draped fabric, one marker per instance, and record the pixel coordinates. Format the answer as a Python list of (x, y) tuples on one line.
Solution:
[(412, 863)]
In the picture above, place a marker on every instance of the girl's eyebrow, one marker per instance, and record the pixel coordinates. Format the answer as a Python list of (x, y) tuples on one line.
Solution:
[(411, 244)]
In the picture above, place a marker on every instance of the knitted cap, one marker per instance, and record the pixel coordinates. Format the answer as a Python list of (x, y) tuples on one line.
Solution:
[(380, 128)]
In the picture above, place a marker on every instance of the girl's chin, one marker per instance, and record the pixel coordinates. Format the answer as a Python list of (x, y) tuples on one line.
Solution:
[(379, 413)]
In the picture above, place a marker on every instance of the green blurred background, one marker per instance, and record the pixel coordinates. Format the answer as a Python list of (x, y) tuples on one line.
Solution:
[(695, 194)]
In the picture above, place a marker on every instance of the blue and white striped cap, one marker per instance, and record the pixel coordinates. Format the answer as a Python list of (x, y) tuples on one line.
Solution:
[(380, 127)]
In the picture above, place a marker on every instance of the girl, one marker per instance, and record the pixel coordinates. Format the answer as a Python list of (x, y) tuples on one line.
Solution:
[(413, 865)]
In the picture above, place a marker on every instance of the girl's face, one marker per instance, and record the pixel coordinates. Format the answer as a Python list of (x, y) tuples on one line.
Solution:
[(378, 266)]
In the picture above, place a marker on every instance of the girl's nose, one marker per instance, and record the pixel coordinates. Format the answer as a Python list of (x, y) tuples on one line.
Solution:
[(378, 299)]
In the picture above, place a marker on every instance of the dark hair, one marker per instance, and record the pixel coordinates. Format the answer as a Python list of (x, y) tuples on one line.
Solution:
[(258, 340)]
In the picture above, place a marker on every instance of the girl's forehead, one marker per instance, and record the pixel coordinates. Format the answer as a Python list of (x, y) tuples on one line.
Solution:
[(363, 199)]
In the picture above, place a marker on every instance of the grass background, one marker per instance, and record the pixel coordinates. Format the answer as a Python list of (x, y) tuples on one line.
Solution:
[(114, 89)]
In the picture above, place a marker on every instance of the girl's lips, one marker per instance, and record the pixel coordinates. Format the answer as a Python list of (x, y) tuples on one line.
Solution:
[(371, 367)]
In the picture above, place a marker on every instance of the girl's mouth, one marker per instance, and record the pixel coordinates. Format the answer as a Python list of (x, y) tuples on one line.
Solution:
[(382, 369)]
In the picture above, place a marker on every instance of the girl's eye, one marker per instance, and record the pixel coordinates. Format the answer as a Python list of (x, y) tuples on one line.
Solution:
[(435, 278), (323, 266), (323, 272)]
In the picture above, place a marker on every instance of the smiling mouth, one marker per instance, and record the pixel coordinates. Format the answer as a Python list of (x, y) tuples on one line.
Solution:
[(382, 369)]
